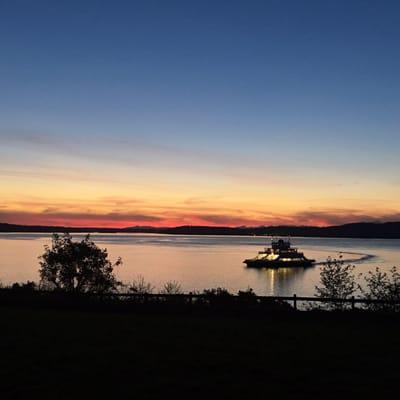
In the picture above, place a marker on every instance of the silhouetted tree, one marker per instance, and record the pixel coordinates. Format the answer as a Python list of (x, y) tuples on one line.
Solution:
[(77, 266), (171, 287), (383, 286), (337, 281), (140, 286)]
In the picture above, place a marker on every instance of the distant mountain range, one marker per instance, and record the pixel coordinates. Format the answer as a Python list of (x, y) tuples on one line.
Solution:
[(387, 230)]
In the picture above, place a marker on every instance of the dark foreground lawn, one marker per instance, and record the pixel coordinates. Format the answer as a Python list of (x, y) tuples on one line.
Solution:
[(63, 354)]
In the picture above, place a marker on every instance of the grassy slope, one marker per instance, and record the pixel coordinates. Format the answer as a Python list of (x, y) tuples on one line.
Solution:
[(67, 354)]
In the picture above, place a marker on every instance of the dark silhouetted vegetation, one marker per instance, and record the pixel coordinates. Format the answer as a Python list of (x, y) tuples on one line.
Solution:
[(29, 286), (217, 292), (247, 294), (140, 286), (337, 280), (384, 286), (77, 267), (172, 287)]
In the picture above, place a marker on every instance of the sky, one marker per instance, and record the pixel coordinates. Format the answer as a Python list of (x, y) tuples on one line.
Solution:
[(163, 113)]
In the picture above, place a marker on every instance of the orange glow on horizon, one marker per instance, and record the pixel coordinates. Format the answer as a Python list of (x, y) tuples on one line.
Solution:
[(115, 220), (122, 196)]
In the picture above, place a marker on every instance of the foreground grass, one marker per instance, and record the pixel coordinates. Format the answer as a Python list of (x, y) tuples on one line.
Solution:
[(51, 354)]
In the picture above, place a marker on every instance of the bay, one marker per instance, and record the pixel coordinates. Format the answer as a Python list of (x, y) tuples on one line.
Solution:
[(199, 262)]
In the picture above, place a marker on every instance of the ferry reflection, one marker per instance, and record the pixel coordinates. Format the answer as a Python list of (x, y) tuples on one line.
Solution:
[(281, 281)]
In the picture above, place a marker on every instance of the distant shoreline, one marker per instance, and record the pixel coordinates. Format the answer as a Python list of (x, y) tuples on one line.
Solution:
[(361, 230)]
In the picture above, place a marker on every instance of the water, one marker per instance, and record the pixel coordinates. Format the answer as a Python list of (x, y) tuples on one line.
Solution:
[(199, 262)]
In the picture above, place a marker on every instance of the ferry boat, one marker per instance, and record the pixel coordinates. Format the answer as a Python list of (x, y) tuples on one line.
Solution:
[(279, 255)]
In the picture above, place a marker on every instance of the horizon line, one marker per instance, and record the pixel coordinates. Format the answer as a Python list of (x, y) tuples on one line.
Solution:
[(199, 226)]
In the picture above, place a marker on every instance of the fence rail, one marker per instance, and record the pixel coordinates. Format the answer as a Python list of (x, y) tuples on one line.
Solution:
[(191, 298)]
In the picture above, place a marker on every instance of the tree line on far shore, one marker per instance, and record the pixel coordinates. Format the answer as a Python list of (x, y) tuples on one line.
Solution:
[(82, 267)]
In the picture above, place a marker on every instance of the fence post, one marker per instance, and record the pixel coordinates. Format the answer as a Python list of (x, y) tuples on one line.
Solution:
[(353, 303), (295, 301)]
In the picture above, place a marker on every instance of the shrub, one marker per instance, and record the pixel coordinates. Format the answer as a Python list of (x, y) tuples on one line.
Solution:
[(247, 294), (29, 286), (337, 281), (382, 286), (171, 287), (217, 292), (140, 286)]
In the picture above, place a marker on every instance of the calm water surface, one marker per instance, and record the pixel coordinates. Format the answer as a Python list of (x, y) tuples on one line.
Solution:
[(199, 262)]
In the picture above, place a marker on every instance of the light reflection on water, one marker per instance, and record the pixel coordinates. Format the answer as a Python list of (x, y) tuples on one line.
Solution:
[(199, 262)]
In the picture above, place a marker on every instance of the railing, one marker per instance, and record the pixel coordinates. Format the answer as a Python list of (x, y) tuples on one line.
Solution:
[(293, 300), (195, 298)]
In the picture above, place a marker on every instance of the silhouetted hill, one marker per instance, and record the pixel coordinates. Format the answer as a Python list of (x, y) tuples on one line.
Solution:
[(387, 230)]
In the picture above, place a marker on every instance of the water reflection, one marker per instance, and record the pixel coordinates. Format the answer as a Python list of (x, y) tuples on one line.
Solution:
[(282, 281)]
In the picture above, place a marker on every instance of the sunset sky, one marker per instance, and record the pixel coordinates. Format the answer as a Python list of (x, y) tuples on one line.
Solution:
[(163, 113)]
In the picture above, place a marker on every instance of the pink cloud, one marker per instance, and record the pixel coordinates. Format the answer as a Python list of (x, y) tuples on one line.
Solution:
[(55, 216)]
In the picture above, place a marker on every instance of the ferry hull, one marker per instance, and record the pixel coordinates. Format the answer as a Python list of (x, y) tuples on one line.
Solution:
[(256, 263)]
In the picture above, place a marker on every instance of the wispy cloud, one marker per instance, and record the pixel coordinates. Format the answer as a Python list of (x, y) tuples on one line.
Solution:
[(337, 217), (121, 201), (130, 152), (30, 137), (51, 217)]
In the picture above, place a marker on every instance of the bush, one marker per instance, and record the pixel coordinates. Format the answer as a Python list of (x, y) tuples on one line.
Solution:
[(29, 286), (217, 292), (216, 296), (247, 294), (171, 287), (140, 286), (382, 286), (337, 281)]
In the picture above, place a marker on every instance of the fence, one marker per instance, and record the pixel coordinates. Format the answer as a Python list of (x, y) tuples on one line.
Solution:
[(192, 299)]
